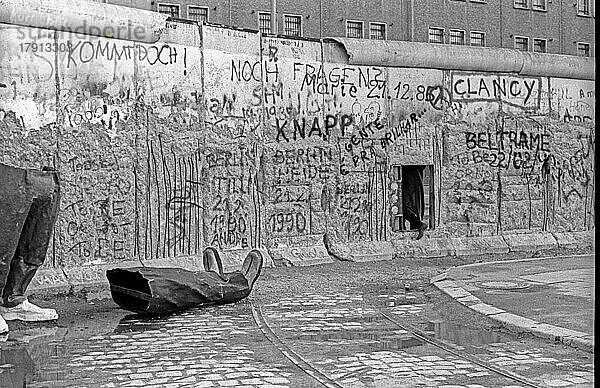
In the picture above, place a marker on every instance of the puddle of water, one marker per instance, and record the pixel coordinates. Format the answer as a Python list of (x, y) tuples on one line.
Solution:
[(379, 341), (533, 288), (35, 353), (19, 349), (396, 300), (133, 322), (462, 335), (33, 335), (16, 366)]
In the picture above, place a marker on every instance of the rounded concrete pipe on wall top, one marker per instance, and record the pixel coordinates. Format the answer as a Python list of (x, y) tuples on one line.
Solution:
[(464, 58)]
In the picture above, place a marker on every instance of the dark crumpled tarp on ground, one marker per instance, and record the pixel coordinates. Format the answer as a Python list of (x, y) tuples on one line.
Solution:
[(151, 290)]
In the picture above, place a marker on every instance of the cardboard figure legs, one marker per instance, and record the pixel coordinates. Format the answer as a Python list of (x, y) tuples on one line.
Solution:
[(29, 202)]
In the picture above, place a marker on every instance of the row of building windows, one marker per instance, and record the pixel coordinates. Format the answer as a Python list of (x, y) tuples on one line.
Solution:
[(438, 35), (537, 5), (199, 14), (584, 7), (522, 43), (355, 29), (352, 27), (477, 38), (292, 26), (541, 46)]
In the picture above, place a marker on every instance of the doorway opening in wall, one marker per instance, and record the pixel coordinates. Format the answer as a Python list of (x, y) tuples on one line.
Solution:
[(411, 195)]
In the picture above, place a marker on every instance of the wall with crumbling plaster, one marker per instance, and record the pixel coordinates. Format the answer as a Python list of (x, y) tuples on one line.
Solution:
[(214, 136)]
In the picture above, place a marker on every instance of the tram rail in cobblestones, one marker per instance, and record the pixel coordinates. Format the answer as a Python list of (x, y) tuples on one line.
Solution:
[(296, 359), (439, 344), (326, 381)]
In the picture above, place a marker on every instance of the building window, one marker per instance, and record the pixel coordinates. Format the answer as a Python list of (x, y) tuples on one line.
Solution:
[(540, 45), (199, 14), (583, 7), (521, 43), (264, 22), (436, 35), (583, 49), (292, 25), (169, 9), (457, 37), (377, 31), (411, 197), (538, 5), (477, 38), (521, 4), (354, 29)]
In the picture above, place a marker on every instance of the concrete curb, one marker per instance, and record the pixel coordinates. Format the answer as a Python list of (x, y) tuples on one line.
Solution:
[(511, 321), (530, 242), (467, 246), (435, 247), (363, 252), (62, 280), (575, 239), (514, 261)]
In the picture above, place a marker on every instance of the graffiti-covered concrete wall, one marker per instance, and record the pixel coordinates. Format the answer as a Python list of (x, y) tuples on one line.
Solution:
[(221, 137)]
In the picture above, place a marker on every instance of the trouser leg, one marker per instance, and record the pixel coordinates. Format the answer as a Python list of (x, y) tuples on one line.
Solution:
[(413, 218), (35, 235), (15, 201)]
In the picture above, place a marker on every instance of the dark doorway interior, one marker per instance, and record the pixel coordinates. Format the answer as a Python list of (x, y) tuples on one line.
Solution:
[(411, 196)]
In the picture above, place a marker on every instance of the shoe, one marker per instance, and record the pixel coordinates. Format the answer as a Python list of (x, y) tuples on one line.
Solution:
[(252, 266), (3, 326), (422, 229), (212, 261), (28, 312)]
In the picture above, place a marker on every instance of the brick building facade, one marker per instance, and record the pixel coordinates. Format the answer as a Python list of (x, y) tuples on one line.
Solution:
[(558, 26)]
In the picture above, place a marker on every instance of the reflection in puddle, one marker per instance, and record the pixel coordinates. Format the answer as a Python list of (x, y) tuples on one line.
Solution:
[(383, 341), (462, 335), (35, 356), (36, 334), (136, 322), (21, 351), (396, 300), (16, 366), (380, 337)]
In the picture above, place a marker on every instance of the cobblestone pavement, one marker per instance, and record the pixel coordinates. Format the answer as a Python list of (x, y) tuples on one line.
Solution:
[(351, 336), (199, 348), (342, 335), (358, 348)]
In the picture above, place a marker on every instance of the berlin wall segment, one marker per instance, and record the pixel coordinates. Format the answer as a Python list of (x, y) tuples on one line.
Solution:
[(245, 141)]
